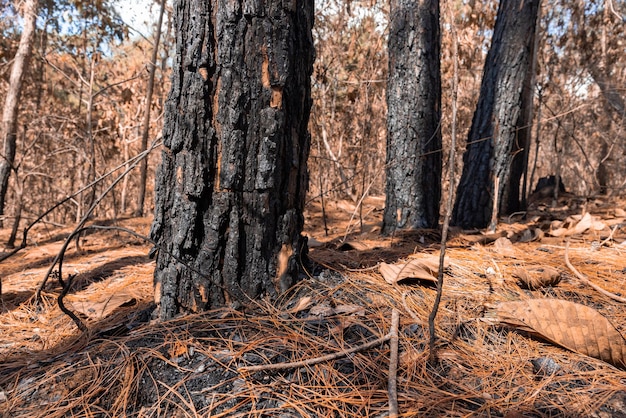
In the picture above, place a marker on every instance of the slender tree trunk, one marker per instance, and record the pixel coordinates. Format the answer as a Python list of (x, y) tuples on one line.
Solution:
[(8, 127), (614, 102), (414, 158), (90, 196), (145, 131), (231, 186), (492, 135)]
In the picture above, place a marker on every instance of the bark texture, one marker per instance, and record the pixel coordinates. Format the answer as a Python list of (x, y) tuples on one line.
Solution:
[(8, 127), (413, 188), (231, 186), (488, 155)]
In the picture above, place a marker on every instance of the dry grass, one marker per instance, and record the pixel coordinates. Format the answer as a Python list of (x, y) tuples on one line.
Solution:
[(195, 365)]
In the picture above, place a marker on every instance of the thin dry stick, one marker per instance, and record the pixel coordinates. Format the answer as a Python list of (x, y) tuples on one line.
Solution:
[(448, 215), (316, 360), (496, 203), (610, 237), (586, 281), (409, 310), (392, 380)]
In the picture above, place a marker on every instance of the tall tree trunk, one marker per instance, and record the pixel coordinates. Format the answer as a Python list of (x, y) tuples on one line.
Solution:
[(413, 188), (90, 157), (492, 135), (145, 130), (8, 127), (514, 196), (231, 186)]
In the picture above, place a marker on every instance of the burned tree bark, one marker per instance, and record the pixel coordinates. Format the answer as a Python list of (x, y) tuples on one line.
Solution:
[(231, 186), (413, 188), (488, 156)]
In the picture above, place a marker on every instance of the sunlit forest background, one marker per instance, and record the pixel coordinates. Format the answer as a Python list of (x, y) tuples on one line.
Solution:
[(83, 106)]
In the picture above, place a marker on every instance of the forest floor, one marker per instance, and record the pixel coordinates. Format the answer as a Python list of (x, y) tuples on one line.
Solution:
[(531, 324)]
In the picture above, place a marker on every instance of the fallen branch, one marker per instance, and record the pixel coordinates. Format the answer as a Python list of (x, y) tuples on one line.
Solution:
[(316, 360), (586, 281), (67, 284), (392, 379)]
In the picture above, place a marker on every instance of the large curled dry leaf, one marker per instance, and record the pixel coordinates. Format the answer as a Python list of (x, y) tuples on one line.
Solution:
[(570, 325), (425, 268), (98, 307), (576, 225), (536, 277), (356, 245), (504, 246)]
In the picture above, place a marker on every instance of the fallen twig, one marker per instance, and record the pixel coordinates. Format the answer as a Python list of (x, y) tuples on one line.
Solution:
[(316, 360), (586, 281), (410, 311), (446, 220), (392, 379)]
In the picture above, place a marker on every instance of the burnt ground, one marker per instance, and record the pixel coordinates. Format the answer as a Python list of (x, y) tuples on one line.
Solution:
[(330, 333)]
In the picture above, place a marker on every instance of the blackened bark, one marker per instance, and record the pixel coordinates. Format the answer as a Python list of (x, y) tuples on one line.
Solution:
[(413, 188), (230, 190), (515, 189), (489, 147), (514, 199)]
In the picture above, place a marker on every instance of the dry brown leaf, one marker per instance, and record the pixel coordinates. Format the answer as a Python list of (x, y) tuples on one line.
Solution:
[(350, 310), (313, 243), (482, 239), (355, 245), (425, 268), (99, 308), (576, 225), (504, 246), (536, 277), (322, 310), (575, 327), (531, 234), (303, 303)]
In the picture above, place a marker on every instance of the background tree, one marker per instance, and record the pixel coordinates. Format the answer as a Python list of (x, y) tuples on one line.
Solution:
[(487, 159), (349, 109), (414, 158), (8, 127), (581, 74), (145, 129), (53, 157), (231, 186)]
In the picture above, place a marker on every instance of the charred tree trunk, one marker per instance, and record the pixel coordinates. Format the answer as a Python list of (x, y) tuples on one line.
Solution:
[(514, 199), (231, 186), (487, 159), (413, 188), (8, 127)]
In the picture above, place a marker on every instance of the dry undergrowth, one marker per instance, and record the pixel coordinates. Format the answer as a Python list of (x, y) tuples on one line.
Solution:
[(199, 365)]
